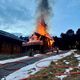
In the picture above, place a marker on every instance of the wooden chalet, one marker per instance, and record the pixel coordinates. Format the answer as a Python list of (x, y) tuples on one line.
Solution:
[(9, 43)]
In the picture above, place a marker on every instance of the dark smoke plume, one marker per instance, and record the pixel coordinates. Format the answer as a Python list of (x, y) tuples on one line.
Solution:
[(44, 9)]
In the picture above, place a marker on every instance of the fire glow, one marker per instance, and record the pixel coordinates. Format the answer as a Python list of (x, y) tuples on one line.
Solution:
[(42, 30), (41, 35)]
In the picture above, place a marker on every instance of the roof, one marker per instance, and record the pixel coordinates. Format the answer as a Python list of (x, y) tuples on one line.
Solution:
[(9, 35)]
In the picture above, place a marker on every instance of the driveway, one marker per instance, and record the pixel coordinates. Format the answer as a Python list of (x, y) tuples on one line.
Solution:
[(9, 68)]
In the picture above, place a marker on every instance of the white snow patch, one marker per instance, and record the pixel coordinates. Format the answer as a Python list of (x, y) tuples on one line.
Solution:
[(66, 62), (36, 55), (79, 64), (32, 69), (13, 60), (61, 77), (76, 55), (78, 58), (67, 71)]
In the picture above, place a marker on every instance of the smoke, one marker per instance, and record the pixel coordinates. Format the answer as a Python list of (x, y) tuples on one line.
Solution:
[(44, 9)]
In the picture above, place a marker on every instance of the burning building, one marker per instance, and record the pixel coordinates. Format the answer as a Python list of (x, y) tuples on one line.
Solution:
[(41, 39)]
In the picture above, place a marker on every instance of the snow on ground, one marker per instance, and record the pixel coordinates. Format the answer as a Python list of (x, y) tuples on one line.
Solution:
[(37, 55), (78, 58), (79, 64), (76, 55), (17, 59), (61, 77), (68, 70), (32, 68), (13, 60), (66, 62)]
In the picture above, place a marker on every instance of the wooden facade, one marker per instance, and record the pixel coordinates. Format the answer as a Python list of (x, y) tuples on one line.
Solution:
[(9, 43)]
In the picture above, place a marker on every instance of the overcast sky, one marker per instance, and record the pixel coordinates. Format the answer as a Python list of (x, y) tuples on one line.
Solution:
[(19, 16)]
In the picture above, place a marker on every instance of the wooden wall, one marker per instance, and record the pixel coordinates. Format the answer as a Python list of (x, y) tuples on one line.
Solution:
[(10, 46)]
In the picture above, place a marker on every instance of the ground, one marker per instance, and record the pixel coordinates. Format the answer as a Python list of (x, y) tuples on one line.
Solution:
[(60, 66), (68, 65), (10, 67)]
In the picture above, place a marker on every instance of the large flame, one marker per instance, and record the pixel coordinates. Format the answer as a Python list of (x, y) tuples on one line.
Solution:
[(42, 29)]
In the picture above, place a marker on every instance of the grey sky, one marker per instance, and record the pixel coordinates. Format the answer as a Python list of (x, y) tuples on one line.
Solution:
[(19, 16)]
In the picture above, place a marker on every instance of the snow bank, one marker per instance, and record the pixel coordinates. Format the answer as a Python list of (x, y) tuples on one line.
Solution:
[(17, 59), (66, 62), (32, 69), (77, 56), (61, 77), (13, 60), (79, 64), (37, 55)]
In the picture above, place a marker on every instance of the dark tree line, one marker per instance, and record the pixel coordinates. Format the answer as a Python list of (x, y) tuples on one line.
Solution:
[(68, 40)]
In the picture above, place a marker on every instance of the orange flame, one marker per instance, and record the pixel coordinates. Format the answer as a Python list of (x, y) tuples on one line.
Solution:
[(42, 29)]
